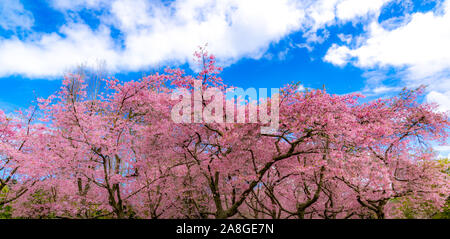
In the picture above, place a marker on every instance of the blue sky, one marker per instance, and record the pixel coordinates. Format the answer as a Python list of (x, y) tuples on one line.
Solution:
[(375, 47)]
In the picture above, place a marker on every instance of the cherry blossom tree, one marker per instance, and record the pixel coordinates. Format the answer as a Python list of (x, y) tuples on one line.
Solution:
[(19, 154), (122, 155)]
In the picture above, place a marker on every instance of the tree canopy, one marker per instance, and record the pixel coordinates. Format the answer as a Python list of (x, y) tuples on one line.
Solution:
[(120, 155)]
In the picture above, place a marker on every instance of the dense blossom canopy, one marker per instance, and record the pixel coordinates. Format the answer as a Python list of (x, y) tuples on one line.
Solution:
[(121, 155)]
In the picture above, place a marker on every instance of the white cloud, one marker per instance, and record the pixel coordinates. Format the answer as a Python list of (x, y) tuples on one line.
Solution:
[(329, 12), (301, 88), (153, 33), (418, 48), (385, 89), (156, 32), (13, 15), (442, 99), (350, 9), (345, 38), (443, 151), (338, 55), (442, 148), (233, 29), (54, 53), (321, 13), (421, 45), (77, 4)]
